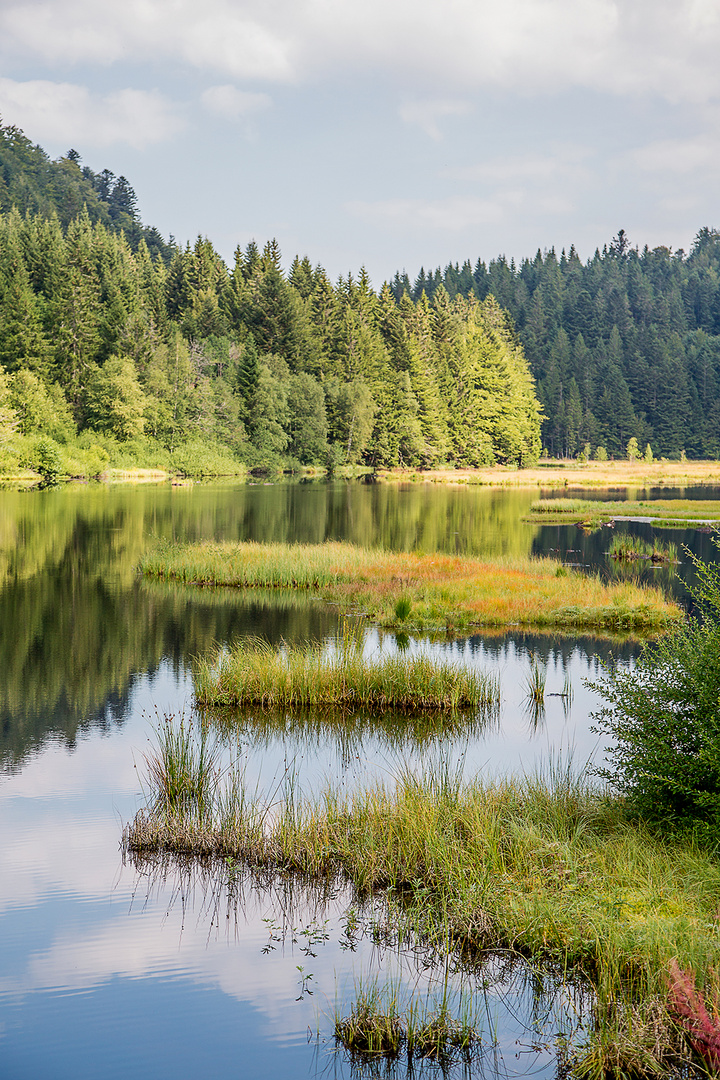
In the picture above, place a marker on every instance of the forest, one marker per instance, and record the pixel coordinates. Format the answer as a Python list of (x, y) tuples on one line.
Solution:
[(186, 363), (626, 345), (118, 348)]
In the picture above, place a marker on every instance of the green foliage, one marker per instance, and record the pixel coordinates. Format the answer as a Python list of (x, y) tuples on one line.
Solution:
[(114, 401), (47, 461), (632, 449), (663, 719)]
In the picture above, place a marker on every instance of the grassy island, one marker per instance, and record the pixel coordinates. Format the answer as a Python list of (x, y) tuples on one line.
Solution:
[(423, 592), (254, 673), (671, 513)]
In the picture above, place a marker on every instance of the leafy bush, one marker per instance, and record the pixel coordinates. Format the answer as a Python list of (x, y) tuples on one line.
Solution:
[(664, 719)]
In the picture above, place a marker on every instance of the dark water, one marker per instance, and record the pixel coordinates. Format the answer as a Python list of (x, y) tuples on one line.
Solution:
[(116, 970)]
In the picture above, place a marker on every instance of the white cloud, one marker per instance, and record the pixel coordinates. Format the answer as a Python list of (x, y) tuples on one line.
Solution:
[(233, 104), (427, 114), (70, 113), (455, 213), (663, 47), (692, 156)]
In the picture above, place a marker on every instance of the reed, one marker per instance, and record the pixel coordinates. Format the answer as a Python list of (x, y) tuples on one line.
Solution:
[(423, 592), (547, 867), (535, 682), (382, 1025), (183, 767), (628, 548), (255, 673)]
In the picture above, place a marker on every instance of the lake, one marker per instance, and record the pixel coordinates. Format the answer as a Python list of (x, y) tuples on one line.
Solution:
[(109, 968)]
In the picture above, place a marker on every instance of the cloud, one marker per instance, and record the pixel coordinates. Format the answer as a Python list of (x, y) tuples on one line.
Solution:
[(455, 213), (233, 104), (661, 47), (691, 156), (65, 112), (427, 114)]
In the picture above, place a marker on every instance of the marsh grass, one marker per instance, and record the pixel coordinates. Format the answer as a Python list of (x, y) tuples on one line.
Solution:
[(183, 768), (256, 673), (444, 592), (545, 867), (628, 548), (535, 682), (383, 1022), (666, 511)]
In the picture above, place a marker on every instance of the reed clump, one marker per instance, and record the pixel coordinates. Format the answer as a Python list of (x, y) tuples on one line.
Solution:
[(297, 676), (381, 1025), (423, 592), (628, 548)]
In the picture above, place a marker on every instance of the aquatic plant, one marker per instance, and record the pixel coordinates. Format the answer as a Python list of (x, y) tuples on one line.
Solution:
[(254, 672), (182, 768), (626, 547), (381, 1025), (545, 866)]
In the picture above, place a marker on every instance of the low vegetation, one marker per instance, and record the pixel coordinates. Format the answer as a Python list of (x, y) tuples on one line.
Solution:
[(545, 868), (421, 592), (662, 719), (664, 512), (382, 1025), (255, 673), (628, 548)]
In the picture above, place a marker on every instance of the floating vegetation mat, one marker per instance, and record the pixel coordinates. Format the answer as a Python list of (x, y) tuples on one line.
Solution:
[(423, 592), (548, 868)]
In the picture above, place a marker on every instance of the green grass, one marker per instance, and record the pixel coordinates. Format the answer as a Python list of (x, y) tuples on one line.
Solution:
[(423, 592), (255, 673), (671, 512), (628, 548), (383, 1022), (547, 868)]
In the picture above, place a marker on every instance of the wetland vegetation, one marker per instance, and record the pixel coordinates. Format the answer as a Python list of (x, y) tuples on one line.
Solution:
[(669, 513), (339, 677), (423, 592)]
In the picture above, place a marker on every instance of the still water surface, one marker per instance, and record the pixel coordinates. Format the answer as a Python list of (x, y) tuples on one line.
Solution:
[(111, 969)]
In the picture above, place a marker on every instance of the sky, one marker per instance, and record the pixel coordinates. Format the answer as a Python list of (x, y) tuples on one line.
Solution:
[(390, 134)]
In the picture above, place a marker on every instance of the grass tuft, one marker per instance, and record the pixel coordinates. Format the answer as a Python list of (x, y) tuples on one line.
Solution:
[(256, 673)]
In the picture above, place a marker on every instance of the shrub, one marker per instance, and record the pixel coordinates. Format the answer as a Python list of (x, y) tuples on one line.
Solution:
[(664, 719)]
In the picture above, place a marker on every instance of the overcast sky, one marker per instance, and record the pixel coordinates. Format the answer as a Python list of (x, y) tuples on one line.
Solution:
[(384, 133)]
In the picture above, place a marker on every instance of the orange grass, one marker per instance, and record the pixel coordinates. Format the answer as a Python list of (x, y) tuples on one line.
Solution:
[(445, 591)]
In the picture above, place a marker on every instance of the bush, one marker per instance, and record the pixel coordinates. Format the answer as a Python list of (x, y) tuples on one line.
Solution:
[(664, 719)]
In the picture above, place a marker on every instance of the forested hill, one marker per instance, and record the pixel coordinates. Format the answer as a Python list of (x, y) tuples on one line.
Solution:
[(33, 183), (625, 345), (107, 350)]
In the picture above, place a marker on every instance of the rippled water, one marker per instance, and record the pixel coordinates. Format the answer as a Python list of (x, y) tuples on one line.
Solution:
[(114, 970)]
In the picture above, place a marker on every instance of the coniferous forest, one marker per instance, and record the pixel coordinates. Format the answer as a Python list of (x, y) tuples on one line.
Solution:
[(626, 345), (118, 347)]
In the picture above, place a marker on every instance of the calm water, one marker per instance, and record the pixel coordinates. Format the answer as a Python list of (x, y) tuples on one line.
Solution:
[(111, 969)]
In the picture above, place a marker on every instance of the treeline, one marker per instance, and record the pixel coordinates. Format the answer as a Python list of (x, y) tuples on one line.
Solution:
[(196, 365), (624, 346), (32, 183)]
